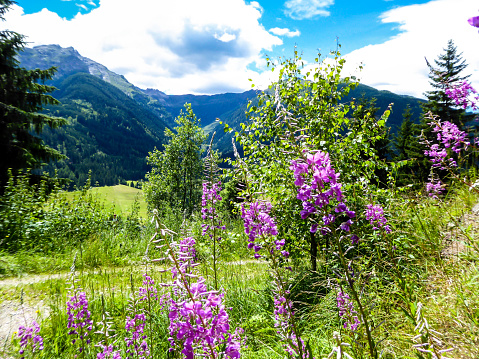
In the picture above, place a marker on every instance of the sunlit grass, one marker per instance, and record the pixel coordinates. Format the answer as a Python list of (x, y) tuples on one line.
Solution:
[(121, 198)]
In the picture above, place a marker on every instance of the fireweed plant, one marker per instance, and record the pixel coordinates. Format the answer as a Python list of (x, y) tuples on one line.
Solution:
[(324, 205), (445, 153), (80, 323), (262, 233), (199, 322), (30, 340), (139, 318), (212, 225), (464, 95)]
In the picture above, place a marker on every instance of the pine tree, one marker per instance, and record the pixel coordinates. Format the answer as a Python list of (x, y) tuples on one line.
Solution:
[(405, 136), (446, 73), (23, 94), (408, 147)]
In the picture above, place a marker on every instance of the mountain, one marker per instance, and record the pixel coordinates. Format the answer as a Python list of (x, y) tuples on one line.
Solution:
[(237, 115), (208, 108), (113, 124), (111, 127), (69, 62)]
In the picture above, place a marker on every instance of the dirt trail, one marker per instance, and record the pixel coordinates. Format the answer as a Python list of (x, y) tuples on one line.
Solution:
[(13, 314), (455, 239)]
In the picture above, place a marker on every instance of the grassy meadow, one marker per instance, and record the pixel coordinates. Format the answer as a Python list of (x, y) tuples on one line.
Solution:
[(119, 198)]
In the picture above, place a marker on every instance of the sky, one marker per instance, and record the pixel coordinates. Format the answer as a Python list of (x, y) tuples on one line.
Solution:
[(217, 46)]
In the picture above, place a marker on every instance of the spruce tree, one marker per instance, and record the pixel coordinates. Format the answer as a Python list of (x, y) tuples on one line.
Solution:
[(447, 73), (23, 94), (408, 147)]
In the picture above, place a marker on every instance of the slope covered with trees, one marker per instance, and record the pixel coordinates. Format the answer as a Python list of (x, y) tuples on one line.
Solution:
[(108, 132)]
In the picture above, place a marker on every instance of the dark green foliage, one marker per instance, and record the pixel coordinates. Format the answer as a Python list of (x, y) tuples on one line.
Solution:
[(408, 148), (367, 109), (23, 94), (446, 73), (82, 82), (108, 133), (175, 179)]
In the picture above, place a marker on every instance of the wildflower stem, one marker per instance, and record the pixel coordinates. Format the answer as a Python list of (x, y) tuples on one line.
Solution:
[(372, 346), (184, 280)]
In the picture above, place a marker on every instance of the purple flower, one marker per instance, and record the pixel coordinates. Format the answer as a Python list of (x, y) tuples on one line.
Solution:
[(29, 338), (79, 317), (108, 353), (136, 341), (148, 290), (464, 95), (434, 188), (210, 198), (474, 21), (375, 216), (320, 192), (199, 322), (347, 312), (450, 139), (345, 226), (354, 239), (258, 222)]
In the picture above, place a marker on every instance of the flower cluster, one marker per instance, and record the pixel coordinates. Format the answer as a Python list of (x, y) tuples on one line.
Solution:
[(108, 352), (375, 216), (449, 137), (434, 187), (347, 312), (474, 21), (318, 186), (79, 317), (136, 321), (29, 338), (211, 195), (136, 343), (464, 95), (148, 290), (259, 224), (199, 322)]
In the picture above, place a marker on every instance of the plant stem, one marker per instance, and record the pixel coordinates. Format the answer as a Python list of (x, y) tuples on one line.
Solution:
[(372, 346)]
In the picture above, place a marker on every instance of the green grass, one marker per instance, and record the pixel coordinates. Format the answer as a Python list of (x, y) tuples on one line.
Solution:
[(119, 197), (444, 282)]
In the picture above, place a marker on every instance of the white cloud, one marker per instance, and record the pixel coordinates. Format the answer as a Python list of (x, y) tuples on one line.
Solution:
[(284, 32), (182, 46), (225, 37), (399, 65), (307, 9)]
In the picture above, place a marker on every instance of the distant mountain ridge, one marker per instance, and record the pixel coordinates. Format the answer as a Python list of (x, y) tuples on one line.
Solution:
[(113, 123)]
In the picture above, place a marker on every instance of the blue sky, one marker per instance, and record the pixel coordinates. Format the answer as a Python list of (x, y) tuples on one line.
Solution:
[(213, 46)]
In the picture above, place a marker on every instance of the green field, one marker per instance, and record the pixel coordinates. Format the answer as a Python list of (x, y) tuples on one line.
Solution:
[(120, 197)]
